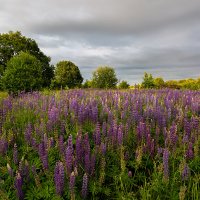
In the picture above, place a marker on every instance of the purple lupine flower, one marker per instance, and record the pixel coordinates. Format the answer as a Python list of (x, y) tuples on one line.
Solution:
[(104, 129), (166, 163), (69, 159), (59, 178), (86, 144), (51, 142), (190, 152), (15, 154), (120, 136), (18, 186), (70, 143), (34, 143), (84, 190), (61, 145), (10, 171), (195, 123), (28, 133), (173, 136), (26, 170), (87, 163), (130, 174), (21, 166), (43, 155), (187, 127), (62, 127), (72, 183), (159, 151), (45, 140), (185, 173), (97, 135), (103, 148), (53, 114), (185, 138), (94, 114)]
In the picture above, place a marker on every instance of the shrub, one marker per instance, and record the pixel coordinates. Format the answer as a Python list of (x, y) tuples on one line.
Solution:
[(23, 73)]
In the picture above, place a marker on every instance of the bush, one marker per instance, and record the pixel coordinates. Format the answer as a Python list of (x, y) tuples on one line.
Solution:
[(104, 77), (123, 85), (148, 81), (23, 73), (67, 74), (12, 43)]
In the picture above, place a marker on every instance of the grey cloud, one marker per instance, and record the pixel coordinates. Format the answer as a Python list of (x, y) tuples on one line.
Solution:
[(157, 36)]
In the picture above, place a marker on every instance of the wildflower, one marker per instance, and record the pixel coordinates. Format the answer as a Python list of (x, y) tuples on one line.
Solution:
[(166, 164), (190, 152), (130, 174), (18, 186), (185, 172), (10, 171), (84, 186), (59, 177), (43, 155), (72, 183), (15, 154), (120, 136)]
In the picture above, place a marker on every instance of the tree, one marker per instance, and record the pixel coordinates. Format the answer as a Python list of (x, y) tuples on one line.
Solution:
[(148, 81), (23, 73), (172, 84), (104, 77), (67, 74), (159, 82), (123, 85), (87, 84), (12, 43)]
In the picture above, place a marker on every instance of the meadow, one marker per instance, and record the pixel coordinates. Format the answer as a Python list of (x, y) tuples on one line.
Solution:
[(100, 144)]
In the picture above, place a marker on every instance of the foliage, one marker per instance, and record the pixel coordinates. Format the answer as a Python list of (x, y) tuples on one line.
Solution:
[(148, 81), (12, 43), (100, 144), (87, 84), (123, 85), (104, 77), (67, 74), (23, 73), (159, 83)]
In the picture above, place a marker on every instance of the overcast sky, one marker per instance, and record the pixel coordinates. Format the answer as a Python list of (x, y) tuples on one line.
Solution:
[(161, 37)]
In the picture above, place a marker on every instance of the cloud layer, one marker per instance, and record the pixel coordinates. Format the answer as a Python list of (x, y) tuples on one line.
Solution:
[(134, 36)]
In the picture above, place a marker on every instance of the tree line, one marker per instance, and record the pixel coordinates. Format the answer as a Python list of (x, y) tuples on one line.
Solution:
[(24, 67)]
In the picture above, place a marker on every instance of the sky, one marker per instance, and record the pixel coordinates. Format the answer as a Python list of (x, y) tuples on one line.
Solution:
[(161, 37)]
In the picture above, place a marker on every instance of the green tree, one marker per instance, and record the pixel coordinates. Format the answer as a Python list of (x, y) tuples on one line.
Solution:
[(123, 85), (67, 74), (159, 82), (148, 81), (13, 43), (87, 84), (23, 73), (172, 84), (104, 77)]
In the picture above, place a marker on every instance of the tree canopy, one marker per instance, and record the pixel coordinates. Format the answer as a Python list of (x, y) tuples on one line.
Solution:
[(23, 73), (123, 85), (12, 43), (104, 77), (67, 74), (148, 81)]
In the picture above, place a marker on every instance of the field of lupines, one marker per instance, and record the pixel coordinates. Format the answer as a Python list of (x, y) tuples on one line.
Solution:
[(95, 144)]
